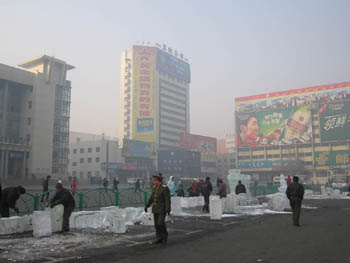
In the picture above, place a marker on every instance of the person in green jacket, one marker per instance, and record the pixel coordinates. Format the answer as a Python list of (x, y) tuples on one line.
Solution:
[(161, 206)]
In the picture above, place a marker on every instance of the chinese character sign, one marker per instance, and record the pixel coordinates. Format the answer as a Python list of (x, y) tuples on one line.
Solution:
[(274, 127), (333, 159), (334, 121), (143, 96)]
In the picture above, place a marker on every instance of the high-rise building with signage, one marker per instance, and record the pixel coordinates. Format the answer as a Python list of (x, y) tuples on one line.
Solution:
[(34, 116), (295, 132), (154, 97)]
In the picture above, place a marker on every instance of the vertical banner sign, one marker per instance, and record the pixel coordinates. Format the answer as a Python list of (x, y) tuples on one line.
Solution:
[(144, 104)]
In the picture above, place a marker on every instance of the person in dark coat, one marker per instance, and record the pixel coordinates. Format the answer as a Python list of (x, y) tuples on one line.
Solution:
[(161, 206), (295, 194), (222, 189), (240, 188), (115, 184), (46, 188), (137, 186), (105, 183), (206, 190), (9, 197), (65, 198)]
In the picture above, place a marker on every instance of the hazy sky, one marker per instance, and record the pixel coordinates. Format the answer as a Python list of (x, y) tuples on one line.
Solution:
[(235, 48)]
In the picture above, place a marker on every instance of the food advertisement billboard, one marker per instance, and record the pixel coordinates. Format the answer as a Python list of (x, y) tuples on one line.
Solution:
[(293, 98), (334, 121), (274, 127), (143, 95), (173, 66), (198, 143)]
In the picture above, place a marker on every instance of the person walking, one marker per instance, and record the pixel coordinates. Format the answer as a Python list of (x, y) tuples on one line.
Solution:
[(9, 197), (295, 194), (64, 197), (171, 185), (222, 189), (74, 186), (161, 206), (206, 190), (240, 188), (180, 189), (45, 189), (105, 183), (137, 186), (115, 184)]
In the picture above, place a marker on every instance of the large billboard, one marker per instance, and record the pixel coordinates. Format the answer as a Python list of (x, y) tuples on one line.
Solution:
[(293, 98), (143, 96), (132, 148), (333, 159), (274, 127), (198, 143), (334, 121), (173, 66)]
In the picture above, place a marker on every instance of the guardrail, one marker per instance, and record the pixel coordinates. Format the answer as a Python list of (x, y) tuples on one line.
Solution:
[(87, 200)]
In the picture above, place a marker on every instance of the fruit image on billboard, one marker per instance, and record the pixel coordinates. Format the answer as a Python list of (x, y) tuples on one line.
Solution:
[(274, 127), (334, 121), (143, 95)]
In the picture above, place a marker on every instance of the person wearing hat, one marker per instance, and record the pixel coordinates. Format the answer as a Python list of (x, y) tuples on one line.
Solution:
[(161, 206), (9, 197)]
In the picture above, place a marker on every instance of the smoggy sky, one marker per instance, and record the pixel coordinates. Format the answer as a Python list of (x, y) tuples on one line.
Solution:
[(235, 48)]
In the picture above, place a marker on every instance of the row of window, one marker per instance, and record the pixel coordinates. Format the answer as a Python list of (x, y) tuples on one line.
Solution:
[(89, 160), (81, 173), (89, 150)]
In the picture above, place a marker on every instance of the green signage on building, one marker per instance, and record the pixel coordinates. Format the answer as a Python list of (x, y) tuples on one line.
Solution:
[(335, 121), (333, 159)]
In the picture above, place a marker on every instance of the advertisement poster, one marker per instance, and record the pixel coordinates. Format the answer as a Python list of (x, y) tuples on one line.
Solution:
[(334, 121), (143, 98), (173, 66), (132, 148), (274, 127), (333, 159), (198, 143), (293, 98)]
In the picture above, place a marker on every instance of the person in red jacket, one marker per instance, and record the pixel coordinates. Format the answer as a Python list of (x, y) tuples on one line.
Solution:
[(74, 186), (289, 180)]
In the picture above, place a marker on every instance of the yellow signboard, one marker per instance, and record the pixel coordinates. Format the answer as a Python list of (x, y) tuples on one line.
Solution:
[(143, 98)]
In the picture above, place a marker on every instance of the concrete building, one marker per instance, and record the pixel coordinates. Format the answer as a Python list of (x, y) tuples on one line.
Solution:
[(89, 152), (225, 162), (208, 164), (35, 112), (303, 132), (154, 97)]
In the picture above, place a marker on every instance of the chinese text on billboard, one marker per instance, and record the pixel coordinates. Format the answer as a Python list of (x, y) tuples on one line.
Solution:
[(143, 94), (274, 127), (333, 159), (334, 121)]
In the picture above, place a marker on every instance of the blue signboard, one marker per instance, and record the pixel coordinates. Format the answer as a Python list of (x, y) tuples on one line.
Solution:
[(132, 148), (144, 125), (173, 66)]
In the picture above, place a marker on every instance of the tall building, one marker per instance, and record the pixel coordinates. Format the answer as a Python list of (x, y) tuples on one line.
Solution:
[(154, 97), (35, 112), (296, 132)]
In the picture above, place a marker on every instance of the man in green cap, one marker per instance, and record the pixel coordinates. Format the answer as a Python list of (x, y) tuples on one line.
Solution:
[(160, 201)]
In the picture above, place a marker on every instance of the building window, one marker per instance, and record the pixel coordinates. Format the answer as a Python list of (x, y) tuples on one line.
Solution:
[(89, 174), (28, 138), (81, 150), (89, 160), (74, 164), (97, 173), (29, 121), (81, 174), (30, 104), (98, 149), (74, 173), (97, 159), (74, 151), (89, 150), (81, 160)]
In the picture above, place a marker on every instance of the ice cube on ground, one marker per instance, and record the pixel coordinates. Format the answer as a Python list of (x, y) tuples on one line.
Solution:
[(278, 202), (15, 224), (176, 202), (216, 208), (118, 225), (41, 221), (56, 217), (230, 203), (88, 219), (308, 192), (147, 219)]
